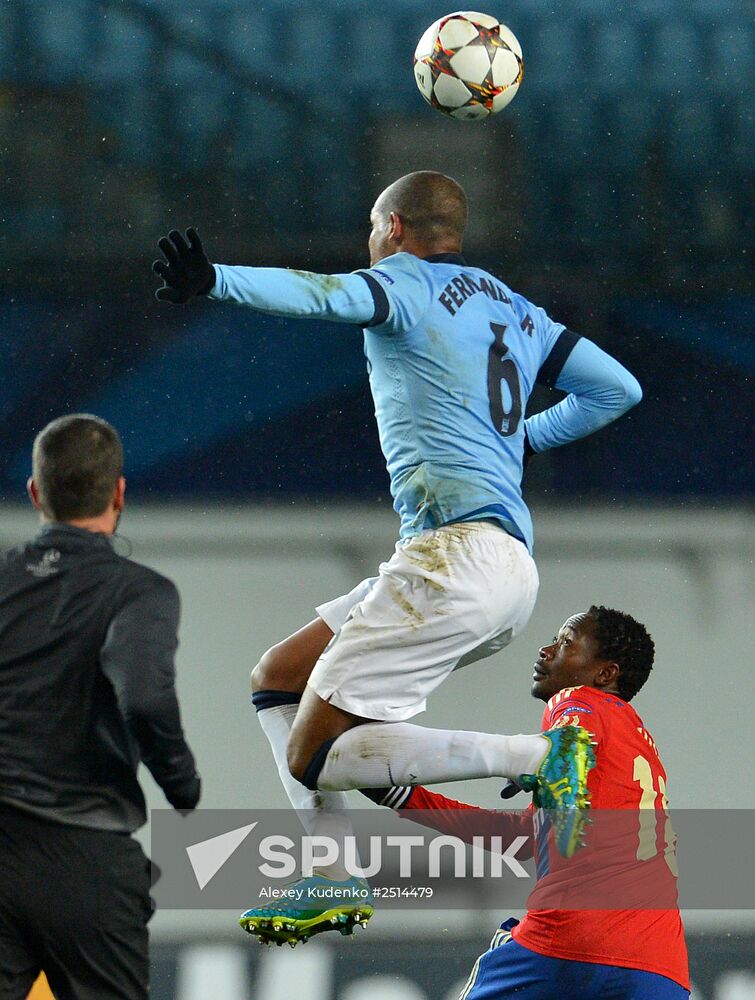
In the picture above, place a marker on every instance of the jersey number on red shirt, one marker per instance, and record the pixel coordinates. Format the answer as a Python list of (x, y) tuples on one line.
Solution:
[(648, 839)]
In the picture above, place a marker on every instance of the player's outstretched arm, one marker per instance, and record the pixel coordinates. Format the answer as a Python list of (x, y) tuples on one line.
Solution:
[(600, 390), (138, 660), (456, 819), (186, 269), (186, 272)]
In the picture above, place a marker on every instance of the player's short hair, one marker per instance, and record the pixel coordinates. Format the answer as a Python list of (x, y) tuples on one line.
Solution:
[(76, 463), (627, 642), (433, 205)]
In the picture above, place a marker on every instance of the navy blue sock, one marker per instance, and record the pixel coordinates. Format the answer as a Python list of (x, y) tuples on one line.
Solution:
[(272, 699), (309, 779)]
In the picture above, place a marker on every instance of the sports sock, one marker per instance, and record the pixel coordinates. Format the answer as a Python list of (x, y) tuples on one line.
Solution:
[(377, 755), (322, 813)]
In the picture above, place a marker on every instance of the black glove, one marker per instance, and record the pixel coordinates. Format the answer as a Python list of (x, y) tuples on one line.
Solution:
[(185, 797), (510, 789), (188, 271)]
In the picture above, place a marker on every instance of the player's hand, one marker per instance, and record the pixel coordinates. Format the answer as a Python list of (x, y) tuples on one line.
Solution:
[(510, 789), (185, 798), (186, 269)]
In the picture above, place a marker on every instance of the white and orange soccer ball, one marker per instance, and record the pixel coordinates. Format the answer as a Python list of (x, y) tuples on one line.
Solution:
[(468, 65)]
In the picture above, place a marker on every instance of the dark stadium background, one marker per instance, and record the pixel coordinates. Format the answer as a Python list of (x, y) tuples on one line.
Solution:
[(616, 191)]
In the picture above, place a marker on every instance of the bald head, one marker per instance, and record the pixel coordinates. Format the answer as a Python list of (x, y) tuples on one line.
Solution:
[(424, 212)]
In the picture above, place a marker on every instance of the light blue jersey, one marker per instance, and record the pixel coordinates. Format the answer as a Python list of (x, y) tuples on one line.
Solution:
[(451, 370), (453, 355)]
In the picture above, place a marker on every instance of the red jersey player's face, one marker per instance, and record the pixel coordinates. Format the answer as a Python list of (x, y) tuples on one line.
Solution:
[(570, 660)]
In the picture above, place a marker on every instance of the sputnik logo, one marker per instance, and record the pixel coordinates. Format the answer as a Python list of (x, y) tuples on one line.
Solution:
[(208, 856)]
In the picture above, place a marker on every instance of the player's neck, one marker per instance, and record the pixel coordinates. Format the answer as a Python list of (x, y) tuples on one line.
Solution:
[(434, 251), (612, 690), (103, 524)]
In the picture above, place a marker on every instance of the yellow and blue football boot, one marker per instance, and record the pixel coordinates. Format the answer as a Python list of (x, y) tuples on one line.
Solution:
[(560, 785), (311, 905)]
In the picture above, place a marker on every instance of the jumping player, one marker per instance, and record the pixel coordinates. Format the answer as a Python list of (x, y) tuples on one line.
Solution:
[(453, 355), (588, 675)]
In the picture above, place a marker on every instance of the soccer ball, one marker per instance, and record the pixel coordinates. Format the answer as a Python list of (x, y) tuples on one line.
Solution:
[(468, 65)]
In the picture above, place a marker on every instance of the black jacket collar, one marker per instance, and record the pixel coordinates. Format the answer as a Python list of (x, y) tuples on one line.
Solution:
[(57, 532)]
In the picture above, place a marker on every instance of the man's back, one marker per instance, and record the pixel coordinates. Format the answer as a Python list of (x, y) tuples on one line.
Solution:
[(453, 359), (87, 647), (451, 371), (66, 752)]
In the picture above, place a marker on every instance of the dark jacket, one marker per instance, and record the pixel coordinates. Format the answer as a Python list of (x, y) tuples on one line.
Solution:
[(87, 645)]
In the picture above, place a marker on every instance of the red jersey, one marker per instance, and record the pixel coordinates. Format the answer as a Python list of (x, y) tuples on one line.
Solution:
[(628, 775)]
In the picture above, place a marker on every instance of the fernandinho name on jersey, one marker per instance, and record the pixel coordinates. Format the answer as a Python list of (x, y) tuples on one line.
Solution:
[(464, 286)]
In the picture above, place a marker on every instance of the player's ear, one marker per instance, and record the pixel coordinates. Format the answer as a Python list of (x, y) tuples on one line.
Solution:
[(397, 228), (608, 675), (33, 492), (119, 494)]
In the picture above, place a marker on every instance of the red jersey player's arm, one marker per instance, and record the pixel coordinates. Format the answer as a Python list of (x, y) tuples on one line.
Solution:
[(458, 819)]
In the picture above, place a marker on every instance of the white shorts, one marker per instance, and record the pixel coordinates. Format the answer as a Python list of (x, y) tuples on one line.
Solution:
[(446, 598)]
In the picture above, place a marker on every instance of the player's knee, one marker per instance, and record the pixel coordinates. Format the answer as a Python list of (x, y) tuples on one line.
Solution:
[(306, 763), (297, 760), (267, 672), (257, 677)]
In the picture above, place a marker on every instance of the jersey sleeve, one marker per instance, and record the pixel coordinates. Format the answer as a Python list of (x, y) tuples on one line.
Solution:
[(599, 391), (401, 292), (574, 707), (536, 321), (137, 658), (342, 298)]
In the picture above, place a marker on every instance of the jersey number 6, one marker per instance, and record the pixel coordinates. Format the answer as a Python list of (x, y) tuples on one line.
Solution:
[(503, 385)]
